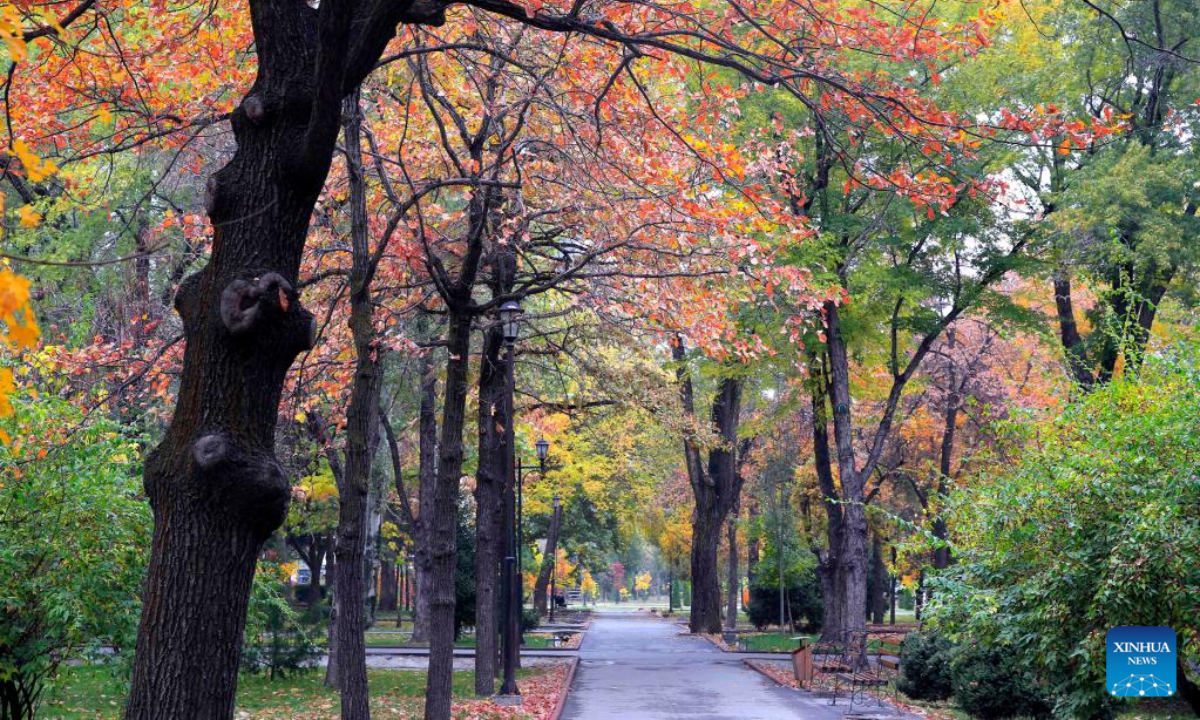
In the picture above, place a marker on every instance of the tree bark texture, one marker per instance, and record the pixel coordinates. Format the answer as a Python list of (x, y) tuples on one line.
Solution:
[(389, 584), (715, 489), (427, 487), (941, 553), (548, 560), (440, 520), (216, 490), (490, 482), (752, 548), (878, 604), (731, 606), (829, 565), (852, 553), (362, 440), (489, 509)]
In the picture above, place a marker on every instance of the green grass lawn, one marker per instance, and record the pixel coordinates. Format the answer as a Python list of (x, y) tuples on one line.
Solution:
[(93, 692), (770, 641), (780, 641), (384, 639)]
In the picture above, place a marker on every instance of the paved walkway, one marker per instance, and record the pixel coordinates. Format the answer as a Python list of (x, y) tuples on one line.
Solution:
[(637, 667)]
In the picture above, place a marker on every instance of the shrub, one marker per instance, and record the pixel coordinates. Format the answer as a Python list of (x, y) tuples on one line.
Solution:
[(464, 576), (1092, 525), (804, 602), (529, 620), (991, 685), (925, 672), (73, 538), (280, 640)]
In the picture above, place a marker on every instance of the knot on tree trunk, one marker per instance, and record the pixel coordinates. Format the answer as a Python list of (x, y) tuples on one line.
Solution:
[(269, 304), (249, 483), (243, 302), (255, 108)]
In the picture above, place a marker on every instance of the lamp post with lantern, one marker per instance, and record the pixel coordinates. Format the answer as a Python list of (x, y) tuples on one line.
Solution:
[(543, 452), (554, 565), (510, 586)]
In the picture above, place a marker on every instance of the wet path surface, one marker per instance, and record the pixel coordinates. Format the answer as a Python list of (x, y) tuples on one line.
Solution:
[(637, 667)]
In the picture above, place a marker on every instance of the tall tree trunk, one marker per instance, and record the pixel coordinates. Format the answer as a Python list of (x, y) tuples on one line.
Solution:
[(371, 554), (331, 671), (216, 490), (389, 581), (878, 580), (706, 585), (426, 487), (753, 549), (314, 570), (362, 440), (829, 568), (441, 518), (548, 560), (715, 489), (853, 551), (490, 481), (731, 606), (941, 553), (1068, 329)]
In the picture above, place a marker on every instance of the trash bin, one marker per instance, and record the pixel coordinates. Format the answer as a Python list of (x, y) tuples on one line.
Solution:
[(802, 665)]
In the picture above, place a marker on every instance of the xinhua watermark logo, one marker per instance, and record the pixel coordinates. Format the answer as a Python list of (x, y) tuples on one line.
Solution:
[(1141, 661)]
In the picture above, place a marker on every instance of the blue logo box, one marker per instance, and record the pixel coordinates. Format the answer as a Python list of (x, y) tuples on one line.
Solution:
[(1140, 661)]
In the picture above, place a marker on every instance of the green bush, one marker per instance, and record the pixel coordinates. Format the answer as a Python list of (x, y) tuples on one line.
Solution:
[(464, 576), (990, 684), (1092, 525), (279, 640), (74, 533), (925, 667), (529, 620), (804, 603)]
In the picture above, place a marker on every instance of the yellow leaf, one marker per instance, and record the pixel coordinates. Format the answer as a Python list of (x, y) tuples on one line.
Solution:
[(36, 168), (24, 336), (29, 216)]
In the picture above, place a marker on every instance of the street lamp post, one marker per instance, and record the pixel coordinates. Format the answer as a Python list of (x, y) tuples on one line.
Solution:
[(543, 451), (510, 589), (554, 567)]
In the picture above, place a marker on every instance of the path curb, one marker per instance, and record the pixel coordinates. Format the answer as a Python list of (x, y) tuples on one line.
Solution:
[(750, 664), (566, 690)]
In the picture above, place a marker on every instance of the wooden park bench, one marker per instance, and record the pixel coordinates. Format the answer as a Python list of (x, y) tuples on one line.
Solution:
[(859, 667), (887, 652)]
